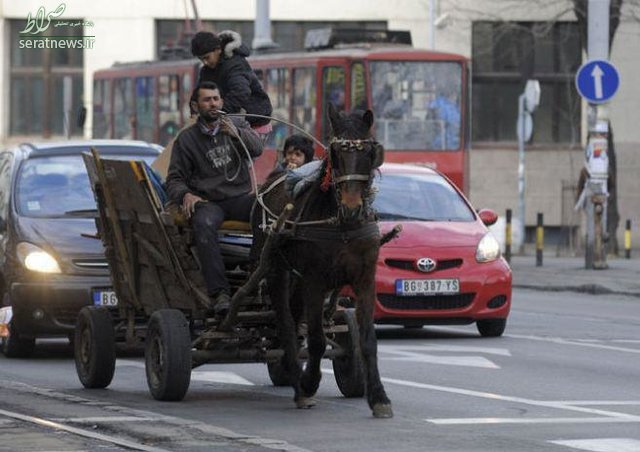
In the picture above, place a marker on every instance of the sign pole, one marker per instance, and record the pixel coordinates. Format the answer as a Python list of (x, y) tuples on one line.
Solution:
[(597, 165)]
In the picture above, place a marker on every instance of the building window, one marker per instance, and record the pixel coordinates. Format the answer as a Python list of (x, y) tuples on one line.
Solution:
[(505, 55), (289, 35), (37, 82)]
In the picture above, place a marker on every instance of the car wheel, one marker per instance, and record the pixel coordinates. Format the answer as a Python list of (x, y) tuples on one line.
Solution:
[(491, 327), (15, 346), (168, 355), (94, 347)]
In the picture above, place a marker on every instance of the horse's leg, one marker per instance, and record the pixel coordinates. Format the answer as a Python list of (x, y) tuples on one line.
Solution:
[(376, 395), (278, 289), (312, 294)]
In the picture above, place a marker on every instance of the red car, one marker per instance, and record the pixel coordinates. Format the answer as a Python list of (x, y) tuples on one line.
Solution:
[(445, 267)]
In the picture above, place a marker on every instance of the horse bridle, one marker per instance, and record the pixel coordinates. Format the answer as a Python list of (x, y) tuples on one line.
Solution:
[(347, 145)]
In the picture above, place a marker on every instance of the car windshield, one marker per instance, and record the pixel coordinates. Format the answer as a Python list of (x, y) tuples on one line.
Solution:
[(417, 104), (57, 186), (422, 197)]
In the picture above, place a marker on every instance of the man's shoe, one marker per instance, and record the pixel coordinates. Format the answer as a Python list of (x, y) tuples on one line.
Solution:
[(222, 303)]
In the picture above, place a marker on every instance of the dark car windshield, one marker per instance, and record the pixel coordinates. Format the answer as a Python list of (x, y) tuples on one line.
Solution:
[(56, 186), (423, 197)]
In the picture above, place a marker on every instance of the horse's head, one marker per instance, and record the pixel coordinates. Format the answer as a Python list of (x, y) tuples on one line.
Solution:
[(353, 155)]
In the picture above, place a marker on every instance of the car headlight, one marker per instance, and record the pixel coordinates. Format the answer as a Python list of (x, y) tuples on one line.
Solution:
[(36, 259), (488, 249)]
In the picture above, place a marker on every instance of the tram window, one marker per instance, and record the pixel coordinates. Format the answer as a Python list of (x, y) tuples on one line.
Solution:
[(168, 107), (123, 109), (304, 98), (358, 87), (102, 109), (333, 89), (277, 88), (144, 108)]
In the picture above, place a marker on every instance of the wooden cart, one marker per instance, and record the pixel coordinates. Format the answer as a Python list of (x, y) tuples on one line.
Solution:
[(162, 300)]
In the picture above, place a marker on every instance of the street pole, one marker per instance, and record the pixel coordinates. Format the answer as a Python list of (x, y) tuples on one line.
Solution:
[(597, 192), (521, 181)]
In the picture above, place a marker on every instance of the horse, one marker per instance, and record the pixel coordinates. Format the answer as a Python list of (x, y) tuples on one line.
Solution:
[(331, 240)]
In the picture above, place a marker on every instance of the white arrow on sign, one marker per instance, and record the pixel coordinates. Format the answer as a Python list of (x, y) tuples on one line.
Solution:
[(597, 80)]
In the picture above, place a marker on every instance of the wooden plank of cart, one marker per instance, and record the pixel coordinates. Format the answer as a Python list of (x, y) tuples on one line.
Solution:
[(162, 300)]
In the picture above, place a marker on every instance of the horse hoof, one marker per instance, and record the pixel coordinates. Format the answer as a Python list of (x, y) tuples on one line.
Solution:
[(382, 411), (305, 402)]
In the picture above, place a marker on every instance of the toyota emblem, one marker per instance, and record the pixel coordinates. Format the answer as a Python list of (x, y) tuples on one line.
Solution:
[(426, 264)]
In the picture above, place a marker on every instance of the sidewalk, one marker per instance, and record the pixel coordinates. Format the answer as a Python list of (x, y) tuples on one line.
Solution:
[(569, 273)]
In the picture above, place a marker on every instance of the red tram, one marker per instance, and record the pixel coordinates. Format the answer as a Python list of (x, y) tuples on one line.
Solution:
[(420, 98)]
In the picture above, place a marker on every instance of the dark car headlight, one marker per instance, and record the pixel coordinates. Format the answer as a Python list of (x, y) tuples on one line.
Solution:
[(36, 259), (488, 249)]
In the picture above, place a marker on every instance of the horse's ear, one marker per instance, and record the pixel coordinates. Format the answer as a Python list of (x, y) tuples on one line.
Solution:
[(368, 118)]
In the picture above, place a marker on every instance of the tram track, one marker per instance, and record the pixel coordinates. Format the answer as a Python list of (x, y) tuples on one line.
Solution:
[(101, 422)]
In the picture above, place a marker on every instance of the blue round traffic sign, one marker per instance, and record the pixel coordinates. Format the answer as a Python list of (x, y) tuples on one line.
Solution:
[(597, 81)]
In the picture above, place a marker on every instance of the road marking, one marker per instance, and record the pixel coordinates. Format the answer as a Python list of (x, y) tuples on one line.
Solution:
[(415, 353), (559, 340), (602, 444), (503, 398), (541, 420), (601, 402), (219, 377), (198, 375)]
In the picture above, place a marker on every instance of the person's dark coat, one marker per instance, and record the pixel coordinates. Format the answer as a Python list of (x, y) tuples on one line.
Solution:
[(239, 85), (214, 167)]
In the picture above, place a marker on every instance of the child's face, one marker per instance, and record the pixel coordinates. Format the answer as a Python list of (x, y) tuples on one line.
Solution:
[(293, 157)]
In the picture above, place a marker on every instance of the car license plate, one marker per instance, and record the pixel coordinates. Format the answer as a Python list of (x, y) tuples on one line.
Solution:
[(105, 298), (407, 287)]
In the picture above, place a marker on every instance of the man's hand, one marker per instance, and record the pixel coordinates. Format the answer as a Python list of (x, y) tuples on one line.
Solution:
[(189, 203), (229, 127)]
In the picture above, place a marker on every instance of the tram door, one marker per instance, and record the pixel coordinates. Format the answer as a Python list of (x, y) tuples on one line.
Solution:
[(334, 90)]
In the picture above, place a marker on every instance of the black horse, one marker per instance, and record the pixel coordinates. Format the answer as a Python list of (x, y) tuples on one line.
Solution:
[(330, 241)]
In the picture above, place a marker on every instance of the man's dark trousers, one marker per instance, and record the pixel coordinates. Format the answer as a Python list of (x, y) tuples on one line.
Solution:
[(207, 218)]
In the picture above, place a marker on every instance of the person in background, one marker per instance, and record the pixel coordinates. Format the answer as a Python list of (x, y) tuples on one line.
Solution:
[(297, 150), (225, 63), (209, 177)]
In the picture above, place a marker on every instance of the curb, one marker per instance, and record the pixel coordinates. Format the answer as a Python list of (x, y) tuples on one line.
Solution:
[(593, 289)]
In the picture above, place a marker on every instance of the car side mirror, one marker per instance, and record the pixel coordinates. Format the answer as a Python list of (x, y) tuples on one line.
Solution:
[(488, 216)]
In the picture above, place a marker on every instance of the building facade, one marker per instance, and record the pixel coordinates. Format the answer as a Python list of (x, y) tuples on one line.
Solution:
[(508, 42)]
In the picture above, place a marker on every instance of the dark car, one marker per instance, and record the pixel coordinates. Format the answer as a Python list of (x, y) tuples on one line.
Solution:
[(51, 262)]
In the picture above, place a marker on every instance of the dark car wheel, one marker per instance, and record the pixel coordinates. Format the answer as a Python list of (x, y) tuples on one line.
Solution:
[(95, 347), (168, 355), (349, 369), (491, 327), (15, 346)]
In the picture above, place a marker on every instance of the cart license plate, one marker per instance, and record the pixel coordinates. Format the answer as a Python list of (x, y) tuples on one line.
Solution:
[(105, 298), (427, 286)]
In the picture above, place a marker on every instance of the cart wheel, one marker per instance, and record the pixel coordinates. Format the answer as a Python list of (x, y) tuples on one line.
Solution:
[(168, 355), (94, 347), (349, 369), (278, 374)]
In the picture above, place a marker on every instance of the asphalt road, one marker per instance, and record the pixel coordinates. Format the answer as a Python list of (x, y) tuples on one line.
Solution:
[(564, 377)]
